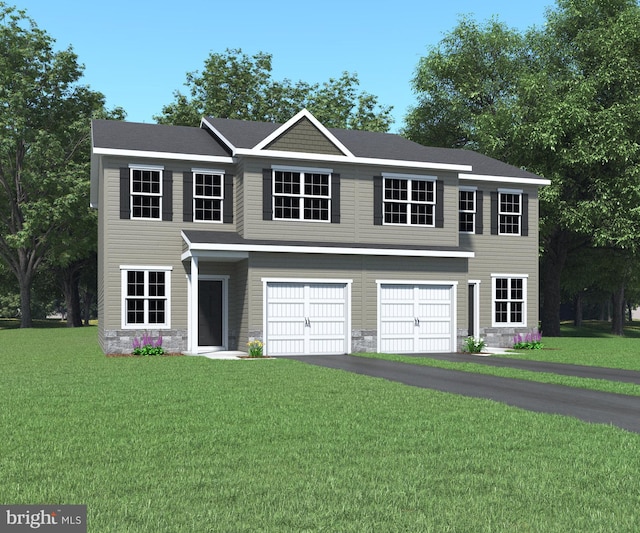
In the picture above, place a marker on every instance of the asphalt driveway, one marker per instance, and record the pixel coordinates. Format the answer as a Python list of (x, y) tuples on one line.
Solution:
[(588, 405)]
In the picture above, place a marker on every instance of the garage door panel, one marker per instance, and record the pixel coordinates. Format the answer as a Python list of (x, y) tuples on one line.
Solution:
[(415, 318), (306, 318)]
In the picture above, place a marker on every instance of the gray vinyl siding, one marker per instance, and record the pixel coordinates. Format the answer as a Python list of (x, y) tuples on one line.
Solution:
[(145, 242), (356, 217), (505, 254), (364, 271)]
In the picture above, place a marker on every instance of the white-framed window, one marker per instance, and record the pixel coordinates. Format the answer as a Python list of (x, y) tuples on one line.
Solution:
[(146, 293), (146, 192), (409, 200), (467, 210), (509, 212), (301, 194), (509, 299), (208, 196)]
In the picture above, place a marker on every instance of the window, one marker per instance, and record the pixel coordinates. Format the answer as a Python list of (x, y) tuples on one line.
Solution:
[(207, 197), (509, 213), (467, 210), (301, 195), (409, 201), (146, 193), (145, 296), (509, 301)]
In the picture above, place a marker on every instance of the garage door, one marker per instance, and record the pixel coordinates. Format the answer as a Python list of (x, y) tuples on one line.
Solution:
[(415, 318), (306, 318)]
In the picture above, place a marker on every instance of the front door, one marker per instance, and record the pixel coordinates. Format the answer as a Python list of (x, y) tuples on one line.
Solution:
[(211, 313)]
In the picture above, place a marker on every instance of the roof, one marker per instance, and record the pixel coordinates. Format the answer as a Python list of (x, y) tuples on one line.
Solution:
[(222, 138)]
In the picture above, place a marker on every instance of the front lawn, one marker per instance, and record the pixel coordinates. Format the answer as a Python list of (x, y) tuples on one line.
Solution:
[(188, 444)]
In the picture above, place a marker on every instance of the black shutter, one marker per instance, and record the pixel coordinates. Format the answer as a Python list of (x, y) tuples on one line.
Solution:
[(335, 198), (125, 197), (187, 196), (227, 215), (167, 195), (439, 204), (267, 193), (479, 213), (377, 201), (494, 212), (524, 230)]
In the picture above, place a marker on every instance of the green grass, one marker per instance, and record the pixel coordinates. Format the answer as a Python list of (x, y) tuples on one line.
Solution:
[(185, 444)]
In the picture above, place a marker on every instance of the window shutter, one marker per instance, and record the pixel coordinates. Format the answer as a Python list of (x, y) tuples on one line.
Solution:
[(227, 215), (494, 212), (524, 229), (167, 195), (439, 204), (335, 198), (125, 197), (377, 201), (479, 219), (187, 196), (267, 193)]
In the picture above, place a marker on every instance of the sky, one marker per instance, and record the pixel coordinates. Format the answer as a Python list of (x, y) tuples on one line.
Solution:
[(137, 52)]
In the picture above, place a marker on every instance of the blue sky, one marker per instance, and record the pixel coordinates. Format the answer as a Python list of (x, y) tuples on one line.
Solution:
[(137, 52)]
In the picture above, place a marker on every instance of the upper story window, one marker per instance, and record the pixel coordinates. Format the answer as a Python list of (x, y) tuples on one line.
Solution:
[(467, 210), (146, 193), (408, 200), (509, 212), (207, 197), (145, 296), (301, 195)]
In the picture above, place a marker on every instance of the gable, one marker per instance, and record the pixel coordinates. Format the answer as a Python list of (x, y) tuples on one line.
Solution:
[(304, 136)]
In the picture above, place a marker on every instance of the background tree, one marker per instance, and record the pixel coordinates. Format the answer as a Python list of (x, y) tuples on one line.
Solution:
[(235, 85), (44, 120), (561, 101)]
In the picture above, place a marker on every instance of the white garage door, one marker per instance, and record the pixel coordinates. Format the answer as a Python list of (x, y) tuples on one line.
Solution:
[(415, 318), (306, 318)]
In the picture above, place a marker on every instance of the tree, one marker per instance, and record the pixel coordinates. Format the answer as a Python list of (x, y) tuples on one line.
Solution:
[(235, 85), (44, 119), (563, 102)]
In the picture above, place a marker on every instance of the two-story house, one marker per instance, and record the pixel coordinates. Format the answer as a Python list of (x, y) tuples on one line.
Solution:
[(313, 240)]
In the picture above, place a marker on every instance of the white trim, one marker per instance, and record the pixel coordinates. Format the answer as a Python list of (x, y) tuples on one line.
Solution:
[(305, 113), (397, 175), (226, 141), (510, 191), (305, 280), (215, 254), (475, 283), (414, 282), (324, 250), (137, 166), (505, 179), (467, 188), (510, 276), (164, 155), (289, 168), (207, 171), (124, 269), (273, 154)]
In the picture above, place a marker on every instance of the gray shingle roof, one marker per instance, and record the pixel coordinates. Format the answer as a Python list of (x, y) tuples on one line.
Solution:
[(116, 134)]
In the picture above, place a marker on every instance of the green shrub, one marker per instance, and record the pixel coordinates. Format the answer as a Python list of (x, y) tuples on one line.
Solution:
[(473, 345)]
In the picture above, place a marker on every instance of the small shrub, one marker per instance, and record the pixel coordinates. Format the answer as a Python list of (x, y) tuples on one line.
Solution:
[(531, 341), (146, 346), (473, 345), (255, 348)]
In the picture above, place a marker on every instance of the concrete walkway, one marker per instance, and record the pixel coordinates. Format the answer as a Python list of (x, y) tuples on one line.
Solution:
[(588, 405)]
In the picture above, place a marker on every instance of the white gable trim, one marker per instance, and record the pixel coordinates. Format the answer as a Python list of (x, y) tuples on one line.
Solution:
[(226, 141), (292, 121)]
